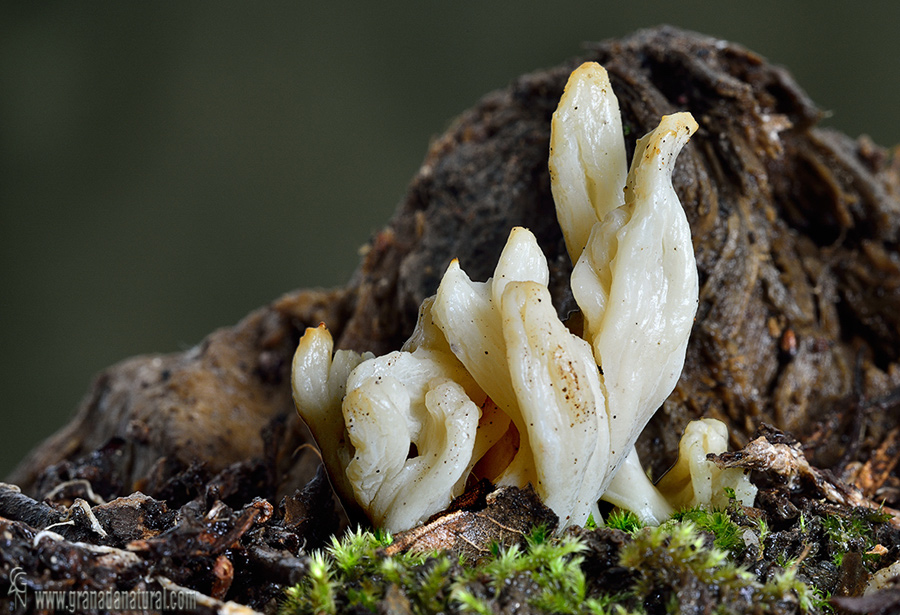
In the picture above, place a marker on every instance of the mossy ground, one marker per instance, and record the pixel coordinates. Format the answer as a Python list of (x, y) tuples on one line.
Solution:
[(727, 561)]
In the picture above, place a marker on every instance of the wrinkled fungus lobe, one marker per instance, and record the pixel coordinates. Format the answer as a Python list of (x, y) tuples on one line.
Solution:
[(492, 384)]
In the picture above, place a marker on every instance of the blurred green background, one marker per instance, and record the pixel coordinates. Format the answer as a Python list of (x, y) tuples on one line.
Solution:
[(167, 167)]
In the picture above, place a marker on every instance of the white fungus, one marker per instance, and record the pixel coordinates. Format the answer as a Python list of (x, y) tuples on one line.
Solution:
[(694, 480), (492, 384)]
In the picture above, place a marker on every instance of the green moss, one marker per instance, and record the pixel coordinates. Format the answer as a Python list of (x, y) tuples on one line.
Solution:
[(353, 574), (677, 569), (762, 528), (467, 602), (317, 593), (732, 561), (624, 520), (726, 533), (853, 532), (677, 549), (786, 583)]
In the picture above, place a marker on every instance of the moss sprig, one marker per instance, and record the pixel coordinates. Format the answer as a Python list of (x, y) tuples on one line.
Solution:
[(726, 533), (853, 532), (686, 562), (624, 520)]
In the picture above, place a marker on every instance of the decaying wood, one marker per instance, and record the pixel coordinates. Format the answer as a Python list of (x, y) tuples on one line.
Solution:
[(210, 404), (795, 230)]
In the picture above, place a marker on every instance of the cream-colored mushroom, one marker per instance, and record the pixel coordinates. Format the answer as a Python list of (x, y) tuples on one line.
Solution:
[(587, 164), (694, 480), (492, 379), (635, 278), (631, 489), (560, 399), (319, 381), (469, 315), (508, 335), (397, 432), (385, 416), (636, 284)]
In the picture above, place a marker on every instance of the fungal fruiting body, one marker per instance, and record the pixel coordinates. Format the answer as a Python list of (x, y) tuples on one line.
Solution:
[(492, 383), (635, 278), (506, 333)]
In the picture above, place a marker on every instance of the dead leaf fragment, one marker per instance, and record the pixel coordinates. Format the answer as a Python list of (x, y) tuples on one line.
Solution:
[(508, 515)]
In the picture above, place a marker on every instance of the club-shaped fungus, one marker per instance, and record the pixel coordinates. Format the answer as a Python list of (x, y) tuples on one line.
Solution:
[(492, 384)]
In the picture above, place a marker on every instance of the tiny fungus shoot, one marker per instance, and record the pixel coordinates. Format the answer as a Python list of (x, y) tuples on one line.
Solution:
[(491, 383), (695, 481)]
